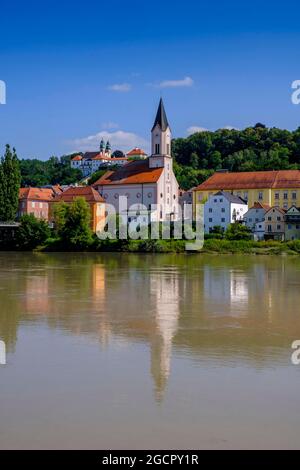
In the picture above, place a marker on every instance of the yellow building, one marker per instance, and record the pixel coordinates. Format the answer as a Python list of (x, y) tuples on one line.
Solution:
[(275, 188)]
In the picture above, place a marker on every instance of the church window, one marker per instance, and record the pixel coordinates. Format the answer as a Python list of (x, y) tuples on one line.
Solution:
[(157, 149), (168, 149)]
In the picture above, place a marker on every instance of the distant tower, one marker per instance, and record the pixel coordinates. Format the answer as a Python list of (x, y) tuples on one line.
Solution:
[(108, 148), (160, 138), (102, 146)]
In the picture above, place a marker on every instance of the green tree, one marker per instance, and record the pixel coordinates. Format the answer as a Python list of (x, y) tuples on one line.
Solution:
[(32, 232), (72, 223), (9, 185), (237, 231)]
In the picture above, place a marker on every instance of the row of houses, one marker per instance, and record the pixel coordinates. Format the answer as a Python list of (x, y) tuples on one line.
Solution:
[(40, 202), (265, 222), (267, 202)]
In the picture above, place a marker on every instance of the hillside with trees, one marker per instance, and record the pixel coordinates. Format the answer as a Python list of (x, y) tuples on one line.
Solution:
[(56, 170), (252, 149)]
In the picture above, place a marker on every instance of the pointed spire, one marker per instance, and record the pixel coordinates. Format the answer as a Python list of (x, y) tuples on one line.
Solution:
[(161, 117)]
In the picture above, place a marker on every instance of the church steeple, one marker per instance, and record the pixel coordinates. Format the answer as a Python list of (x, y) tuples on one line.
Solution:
[(161, 119), (161, 133)]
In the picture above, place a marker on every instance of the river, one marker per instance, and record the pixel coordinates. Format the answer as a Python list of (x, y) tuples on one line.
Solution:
[(130, 351)]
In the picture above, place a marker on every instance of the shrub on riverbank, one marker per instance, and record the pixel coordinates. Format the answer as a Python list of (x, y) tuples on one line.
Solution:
[(31, 233), (250, 246)]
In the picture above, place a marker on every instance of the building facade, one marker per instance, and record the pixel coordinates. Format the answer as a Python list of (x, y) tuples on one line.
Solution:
[(254, 219), (274, 188), (275, 224), (149, 185), (90, 162), (36, 201), (292, 223), (222, 209)]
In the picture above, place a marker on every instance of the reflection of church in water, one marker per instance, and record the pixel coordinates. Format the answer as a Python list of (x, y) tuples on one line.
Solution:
[(164, 291), (139, 300)]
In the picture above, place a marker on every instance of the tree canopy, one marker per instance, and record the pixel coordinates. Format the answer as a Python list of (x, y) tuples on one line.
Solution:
[(252, 149), (9, 185), (56, 170)]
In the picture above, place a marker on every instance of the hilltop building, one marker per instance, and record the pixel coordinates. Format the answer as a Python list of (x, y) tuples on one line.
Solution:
[(136, 153), (149, 184), (90, 162)]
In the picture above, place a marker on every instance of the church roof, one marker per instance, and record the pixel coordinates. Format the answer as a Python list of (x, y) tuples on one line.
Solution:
[(135, 172), (161, 117)]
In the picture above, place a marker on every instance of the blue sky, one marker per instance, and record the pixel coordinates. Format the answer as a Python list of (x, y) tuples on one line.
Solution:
[(77, 70)]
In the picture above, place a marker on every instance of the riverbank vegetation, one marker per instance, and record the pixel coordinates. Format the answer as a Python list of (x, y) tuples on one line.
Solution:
[(72, 232)]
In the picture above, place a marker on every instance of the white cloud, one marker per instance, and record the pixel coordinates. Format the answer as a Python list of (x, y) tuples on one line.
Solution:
[(110, 125), (120, 87), (193, 129), (185, 82), (119, 140)]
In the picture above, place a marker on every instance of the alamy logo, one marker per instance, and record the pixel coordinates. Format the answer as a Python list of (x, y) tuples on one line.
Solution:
[(296, 93), (2, 353), (2, 92), (295, 358)]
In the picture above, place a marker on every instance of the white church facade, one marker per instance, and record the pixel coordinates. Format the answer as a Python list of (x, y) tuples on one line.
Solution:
[(149, 186)]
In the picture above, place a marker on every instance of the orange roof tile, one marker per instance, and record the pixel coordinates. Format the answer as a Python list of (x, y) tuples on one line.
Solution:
[(89, 194), (259, 205), (112, 159), (76, 158), (41, 194), (252, 180), (135, 172), (136, 151)]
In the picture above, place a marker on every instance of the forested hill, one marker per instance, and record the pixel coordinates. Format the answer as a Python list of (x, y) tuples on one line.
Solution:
[(56, 170), (251, 149)]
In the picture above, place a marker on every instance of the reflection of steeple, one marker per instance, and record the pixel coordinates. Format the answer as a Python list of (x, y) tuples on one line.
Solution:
[(165, 289)]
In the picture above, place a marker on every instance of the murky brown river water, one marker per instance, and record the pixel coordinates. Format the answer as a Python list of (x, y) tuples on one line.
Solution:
[(141, 351)]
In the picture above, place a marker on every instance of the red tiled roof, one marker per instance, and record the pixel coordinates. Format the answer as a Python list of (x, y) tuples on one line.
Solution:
[(136, 151), (40, 194), (112, 159), (133, 173), (259, 205), (89, 194), (252, 180), (76, 158), (283, 211)]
